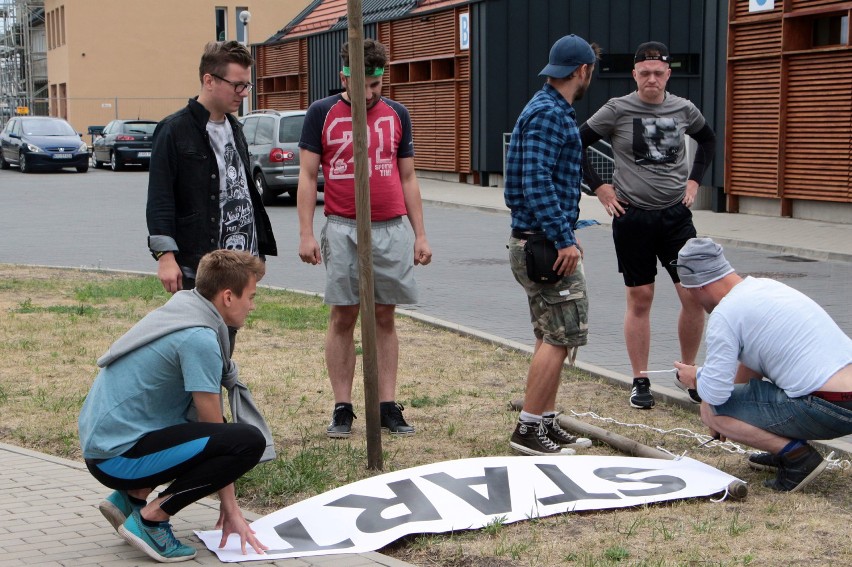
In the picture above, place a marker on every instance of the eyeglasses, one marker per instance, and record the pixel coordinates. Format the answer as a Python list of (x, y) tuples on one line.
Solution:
[(238, 87)]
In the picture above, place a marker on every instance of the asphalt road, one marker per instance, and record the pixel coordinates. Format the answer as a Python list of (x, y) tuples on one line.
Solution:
[(97, 220)]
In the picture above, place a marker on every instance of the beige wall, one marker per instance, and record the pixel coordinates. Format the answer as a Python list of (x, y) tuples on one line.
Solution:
[(145, 53)]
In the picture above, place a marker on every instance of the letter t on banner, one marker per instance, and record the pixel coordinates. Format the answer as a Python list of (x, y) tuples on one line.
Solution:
[(364, 225)]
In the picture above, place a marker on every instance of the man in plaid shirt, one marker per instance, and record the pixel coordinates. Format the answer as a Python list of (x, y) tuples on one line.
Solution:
[(542, 190)]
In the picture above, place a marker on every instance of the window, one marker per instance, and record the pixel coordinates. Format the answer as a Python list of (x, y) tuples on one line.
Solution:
[(249, 128), (265, 126), (221, 24), (622, 63), (240, 27), (291, 129), (832, 30)]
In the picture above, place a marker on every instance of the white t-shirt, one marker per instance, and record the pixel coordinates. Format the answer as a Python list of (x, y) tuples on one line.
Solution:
[(775, 330)]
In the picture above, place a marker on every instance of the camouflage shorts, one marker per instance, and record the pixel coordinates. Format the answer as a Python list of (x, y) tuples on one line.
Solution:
[(559, 312)]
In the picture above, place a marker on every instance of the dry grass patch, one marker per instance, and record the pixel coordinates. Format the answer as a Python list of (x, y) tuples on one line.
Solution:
[(55, 323)]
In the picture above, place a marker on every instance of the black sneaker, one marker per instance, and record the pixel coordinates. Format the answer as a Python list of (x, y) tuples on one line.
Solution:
[(691, 392), (531, 439), (341, 422), (561, 437), (797, 469), (640, 395), (764, 461), (392, 419)]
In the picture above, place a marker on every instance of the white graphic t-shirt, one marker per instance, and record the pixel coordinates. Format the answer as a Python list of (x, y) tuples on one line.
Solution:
[(238, 229)]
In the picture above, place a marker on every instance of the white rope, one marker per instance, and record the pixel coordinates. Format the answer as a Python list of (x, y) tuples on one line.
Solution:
[(704, 439)]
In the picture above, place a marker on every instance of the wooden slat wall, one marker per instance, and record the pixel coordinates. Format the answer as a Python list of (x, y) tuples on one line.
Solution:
[(288, 58), (440, 109), (819, 126), (753, 128), (789, 106), (805, 4)]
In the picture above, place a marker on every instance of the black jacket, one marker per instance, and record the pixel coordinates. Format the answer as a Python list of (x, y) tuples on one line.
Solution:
[(183, 189)]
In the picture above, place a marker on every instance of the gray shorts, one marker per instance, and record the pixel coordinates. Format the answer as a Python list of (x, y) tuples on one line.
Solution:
[(559, 312), (393, 262)]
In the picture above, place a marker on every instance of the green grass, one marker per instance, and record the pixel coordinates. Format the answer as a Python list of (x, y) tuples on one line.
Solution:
[(300, 317), (27, 306), (147, 289)]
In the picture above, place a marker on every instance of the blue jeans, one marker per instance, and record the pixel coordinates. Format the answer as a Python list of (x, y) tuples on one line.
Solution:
[(766, 406)]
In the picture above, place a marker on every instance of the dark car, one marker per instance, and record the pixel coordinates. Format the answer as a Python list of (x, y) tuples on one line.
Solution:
[(42, 142), (123, 142), (273, 139)]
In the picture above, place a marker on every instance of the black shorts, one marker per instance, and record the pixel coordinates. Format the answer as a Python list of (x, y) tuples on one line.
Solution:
[(644, 236)]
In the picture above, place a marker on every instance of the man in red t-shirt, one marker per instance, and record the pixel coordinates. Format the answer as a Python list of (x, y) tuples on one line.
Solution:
[(394, 192)]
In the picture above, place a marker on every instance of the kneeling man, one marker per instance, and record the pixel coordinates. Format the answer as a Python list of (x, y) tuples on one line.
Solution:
[(778, 369), (154, 412)]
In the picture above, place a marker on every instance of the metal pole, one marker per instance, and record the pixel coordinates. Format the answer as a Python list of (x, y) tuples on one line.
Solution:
[(365, 244), (245, 18)]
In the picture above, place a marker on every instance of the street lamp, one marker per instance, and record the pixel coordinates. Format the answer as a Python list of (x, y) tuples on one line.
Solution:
[(245, 17)]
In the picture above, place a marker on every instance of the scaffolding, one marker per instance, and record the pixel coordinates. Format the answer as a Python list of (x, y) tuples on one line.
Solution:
[(23, 59)]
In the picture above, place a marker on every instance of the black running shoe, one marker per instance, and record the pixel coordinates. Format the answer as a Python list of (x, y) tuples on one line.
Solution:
[(797, 469), (531, 438), (764, 461), (341, 422), (641, 396), (691, 392), (392, 420)]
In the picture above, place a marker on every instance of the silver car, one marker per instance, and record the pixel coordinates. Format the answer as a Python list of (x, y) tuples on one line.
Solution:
[(273, 140)]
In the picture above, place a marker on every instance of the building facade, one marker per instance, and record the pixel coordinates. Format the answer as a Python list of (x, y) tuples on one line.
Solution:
[(122, 59), (466, 69), (789, 99)]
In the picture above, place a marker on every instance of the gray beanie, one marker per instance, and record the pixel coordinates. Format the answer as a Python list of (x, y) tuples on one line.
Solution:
[(701, 262)]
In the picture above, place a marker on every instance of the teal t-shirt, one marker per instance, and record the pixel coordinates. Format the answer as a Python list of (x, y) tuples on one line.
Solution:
[(147, 390)]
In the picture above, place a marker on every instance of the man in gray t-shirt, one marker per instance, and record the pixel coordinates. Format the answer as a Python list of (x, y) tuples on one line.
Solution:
[(652, 189)]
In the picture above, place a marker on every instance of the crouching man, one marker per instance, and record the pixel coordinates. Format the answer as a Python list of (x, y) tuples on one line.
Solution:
[(154, 413), (778, 369)]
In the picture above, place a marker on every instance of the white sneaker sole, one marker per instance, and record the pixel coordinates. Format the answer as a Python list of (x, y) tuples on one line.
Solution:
[(527, 451), (112, 514), (140, 544)]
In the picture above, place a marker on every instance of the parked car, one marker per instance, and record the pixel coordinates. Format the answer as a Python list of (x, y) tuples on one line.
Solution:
[(273, 139), (42, 142), (123, 142)]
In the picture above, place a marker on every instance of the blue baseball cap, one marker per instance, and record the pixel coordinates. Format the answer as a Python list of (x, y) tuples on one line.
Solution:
[(566, 55)]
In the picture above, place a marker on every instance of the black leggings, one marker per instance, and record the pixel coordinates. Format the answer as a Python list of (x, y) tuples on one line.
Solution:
[(199, 459)]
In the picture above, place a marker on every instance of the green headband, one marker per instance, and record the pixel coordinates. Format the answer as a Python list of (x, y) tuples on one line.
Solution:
[(377, 72)]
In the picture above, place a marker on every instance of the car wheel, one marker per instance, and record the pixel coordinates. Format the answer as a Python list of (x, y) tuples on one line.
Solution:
[(23, 165), (3, 163), (114, 163), (95, 163), (82, 168), (267, 196)]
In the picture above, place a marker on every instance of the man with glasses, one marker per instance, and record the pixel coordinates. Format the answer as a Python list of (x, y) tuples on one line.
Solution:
[(394, 192), (200, 194), (652, 189)]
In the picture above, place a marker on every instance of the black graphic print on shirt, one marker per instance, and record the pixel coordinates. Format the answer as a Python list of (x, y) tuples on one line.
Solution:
[(656, 141), (237, 215)]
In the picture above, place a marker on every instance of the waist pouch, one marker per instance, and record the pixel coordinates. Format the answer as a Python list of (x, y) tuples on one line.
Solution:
[(540, 255)]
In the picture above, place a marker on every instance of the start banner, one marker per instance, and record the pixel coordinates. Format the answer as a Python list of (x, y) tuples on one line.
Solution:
[(467, 494)]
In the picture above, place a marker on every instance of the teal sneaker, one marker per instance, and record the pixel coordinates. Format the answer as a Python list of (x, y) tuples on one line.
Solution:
[(117, 507), (158, 543)]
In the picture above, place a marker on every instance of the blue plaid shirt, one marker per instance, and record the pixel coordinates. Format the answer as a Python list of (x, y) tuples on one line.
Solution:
[(544, 168)]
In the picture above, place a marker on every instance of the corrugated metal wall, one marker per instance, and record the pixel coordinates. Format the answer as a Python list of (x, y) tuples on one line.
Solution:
[(511, 40), (324, 61)]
